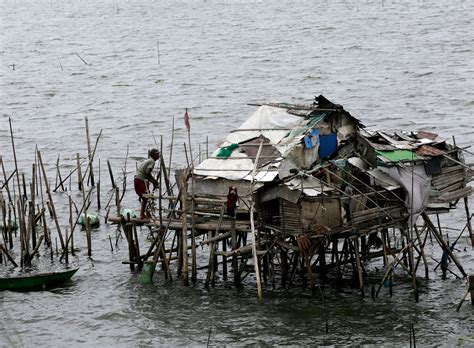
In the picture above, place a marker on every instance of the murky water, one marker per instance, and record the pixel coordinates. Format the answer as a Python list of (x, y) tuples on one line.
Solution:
[(132, 67)]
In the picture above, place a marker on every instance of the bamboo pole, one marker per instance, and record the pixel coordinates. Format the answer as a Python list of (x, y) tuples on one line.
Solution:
[(442, 243), (98, 190), (71, 236), (234, 257), (9, 257), (389, 269), (160, 183), (252, 226), (58, 176), (171, 147), (159, 246), (468, 215), (359, 266), (131, 246), (137, 248), (78, 216), (111, 174), (84, 202), (124, 171), (184, 234), (74, 170), (25, 195), (412, 263), (193, 218), (32, 203), (58, 228), (212, 249), (89, 154)]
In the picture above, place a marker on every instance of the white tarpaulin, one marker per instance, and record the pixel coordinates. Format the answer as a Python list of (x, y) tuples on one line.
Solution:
[(235, 168), (417, 185), (273, 123), (383, 179), (310, 185)]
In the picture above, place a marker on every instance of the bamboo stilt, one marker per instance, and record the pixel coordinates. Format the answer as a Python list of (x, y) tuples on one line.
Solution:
[(212, 249), (443, 244), (252, 226), (422, 252), (184, 234), (468, 215), (359, 266)]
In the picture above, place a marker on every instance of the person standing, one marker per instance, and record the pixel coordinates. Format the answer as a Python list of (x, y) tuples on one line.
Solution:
[(143, 178)]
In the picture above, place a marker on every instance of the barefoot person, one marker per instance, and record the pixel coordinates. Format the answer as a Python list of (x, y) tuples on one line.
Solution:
[(143, 177)]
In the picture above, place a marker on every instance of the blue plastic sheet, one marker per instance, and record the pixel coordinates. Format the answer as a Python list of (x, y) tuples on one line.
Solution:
[(327, 145), (311, 139)]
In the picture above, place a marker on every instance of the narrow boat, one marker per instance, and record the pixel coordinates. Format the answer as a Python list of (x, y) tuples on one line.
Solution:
[(36, 281)]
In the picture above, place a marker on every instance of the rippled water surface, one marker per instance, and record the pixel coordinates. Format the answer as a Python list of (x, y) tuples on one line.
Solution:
[(132, 67)]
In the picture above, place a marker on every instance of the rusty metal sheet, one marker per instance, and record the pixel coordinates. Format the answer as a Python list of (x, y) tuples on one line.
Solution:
[(267, 154), (426, 150), (426, 135)]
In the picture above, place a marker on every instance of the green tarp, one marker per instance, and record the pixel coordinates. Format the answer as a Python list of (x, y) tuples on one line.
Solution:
[(397, 155), (226, 151)]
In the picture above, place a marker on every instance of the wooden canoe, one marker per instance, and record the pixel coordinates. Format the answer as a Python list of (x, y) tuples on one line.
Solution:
[(36, 281)]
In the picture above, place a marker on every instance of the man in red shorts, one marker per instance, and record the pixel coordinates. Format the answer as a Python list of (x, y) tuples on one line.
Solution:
[(143, 177)]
